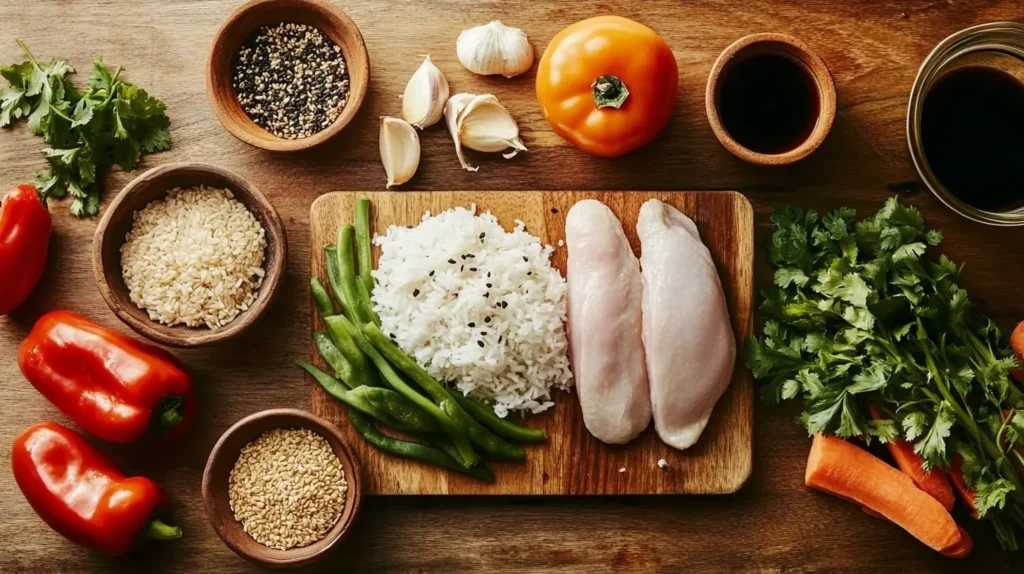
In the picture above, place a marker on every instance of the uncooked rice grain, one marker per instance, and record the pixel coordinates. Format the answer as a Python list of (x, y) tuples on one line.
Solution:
[(287, 488), (194, 258), (478, 307)]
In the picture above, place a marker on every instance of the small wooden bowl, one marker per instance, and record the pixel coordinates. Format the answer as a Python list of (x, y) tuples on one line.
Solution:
[(770, 43), (117, 221), (237, 29), (222, 459)]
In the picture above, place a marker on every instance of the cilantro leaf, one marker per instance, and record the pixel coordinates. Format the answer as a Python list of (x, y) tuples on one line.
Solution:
[(932, 446), (992, 495), (786, 276), (113, 122)]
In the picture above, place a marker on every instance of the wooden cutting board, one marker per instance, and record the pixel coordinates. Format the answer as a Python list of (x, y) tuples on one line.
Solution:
[(572, 461)]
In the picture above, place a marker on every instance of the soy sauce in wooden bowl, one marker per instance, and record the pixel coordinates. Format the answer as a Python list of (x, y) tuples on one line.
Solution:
[(972, 131), (769, 103)]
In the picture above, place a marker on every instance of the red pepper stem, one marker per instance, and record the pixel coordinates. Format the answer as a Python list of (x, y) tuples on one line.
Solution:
[(169, 413), (157, 530)]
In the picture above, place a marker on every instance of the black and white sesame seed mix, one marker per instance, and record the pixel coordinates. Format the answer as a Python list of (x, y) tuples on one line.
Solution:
[(291, 80)]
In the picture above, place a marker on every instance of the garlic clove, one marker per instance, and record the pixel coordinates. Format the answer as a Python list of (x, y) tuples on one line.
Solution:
[(452, 108), (485, 125), (495, 48), (399, 150), (425, 95)]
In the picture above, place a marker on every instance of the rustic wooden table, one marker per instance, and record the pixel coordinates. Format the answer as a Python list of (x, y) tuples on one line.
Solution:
[(773, 524)]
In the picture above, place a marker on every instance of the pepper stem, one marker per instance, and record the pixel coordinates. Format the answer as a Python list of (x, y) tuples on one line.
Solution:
[(169, 413), (609, 92), (157, 530)]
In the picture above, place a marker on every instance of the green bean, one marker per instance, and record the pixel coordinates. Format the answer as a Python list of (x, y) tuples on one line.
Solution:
[(499, 426), (334, 278), (478, 435), (364, 299), (363, 372), (398, 407), (339, 390), (491, 445), (363, 248), (456, 432), (347, 275), (342, 368), (414, 450), (323, 302)]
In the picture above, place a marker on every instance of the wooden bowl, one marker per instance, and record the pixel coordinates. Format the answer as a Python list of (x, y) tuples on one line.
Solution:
[(222, 459), (770, 43), (117, 221), (237, 29)]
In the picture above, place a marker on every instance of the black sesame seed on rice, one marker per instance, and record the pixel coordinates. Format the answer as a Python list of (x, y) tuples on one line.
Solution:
[(415, 292), (481, 343), (471, 325), (291, 80), (487, 319), (452, 261)]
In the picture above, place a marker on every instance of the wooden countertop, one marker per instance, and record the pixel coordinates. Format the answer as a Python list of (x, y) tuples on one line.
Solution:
[(773, 524)]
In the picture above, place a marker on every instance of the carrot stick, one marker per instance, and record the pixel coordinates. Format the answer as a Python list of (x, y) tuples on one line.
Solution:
[(845, 470), (934, 482), (1017, 344), (956, 474)]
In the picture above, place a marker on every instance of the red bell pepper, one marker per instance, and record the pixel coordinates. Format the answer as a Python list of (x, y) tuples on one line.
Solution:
[(24, 241), (109, 384), (79, 492)]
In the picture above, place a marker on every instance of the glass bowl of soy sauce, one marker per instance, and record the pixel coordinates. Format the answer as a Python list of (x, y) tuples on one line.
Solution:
[(965, 123)]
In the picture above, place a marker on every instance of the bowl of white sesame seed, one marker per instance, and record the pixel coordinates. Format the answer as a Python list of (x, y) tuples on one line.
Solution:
[(282, 488), (287, 75)]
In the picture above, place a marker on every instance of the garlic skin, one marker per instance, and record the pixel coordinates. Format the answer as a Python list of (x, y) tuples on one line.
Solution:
[(456, 104), (399, 150), (485, 125), (425, 95), (495, 48)]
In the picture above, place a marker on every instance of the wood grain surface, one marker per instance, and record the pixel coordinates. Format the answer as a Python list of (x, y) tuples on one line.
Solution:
[(573, 461), (773, 524)]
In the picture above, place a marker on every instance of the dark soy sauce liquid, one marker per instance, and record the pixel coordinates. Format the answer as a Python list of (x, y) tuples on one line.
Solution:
[(769, 103), (972, 131)]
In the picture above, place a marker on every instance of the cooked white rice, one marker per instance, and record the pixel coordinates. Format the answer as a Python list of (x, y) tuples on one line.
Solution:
[(477, 307), (194, 258)]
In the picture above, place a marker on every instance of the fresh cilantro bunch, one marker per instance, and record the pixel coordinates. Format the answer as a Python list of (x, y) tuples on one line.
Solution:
[(858, 315), (113, 122)]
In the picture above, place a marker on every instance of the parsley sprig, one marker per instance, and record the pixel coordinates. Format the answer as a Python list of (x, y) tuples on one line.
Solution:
[(113, 122), (857, 314)]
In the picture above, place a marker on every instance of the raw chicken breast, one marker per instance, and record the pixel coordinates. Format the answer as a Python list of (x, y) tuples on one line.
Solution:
[(604, 298), (688, 339)]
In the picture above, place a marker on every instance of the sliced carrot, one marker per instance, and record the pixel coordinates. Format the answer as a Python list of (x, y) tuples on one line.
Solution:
[(934, 482), (846, 470), (956, 474)]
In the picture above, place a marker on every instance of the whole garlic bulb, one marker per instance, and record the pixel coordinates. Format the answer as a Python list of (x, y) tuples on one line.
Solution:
[(495, 48), (425, 96)]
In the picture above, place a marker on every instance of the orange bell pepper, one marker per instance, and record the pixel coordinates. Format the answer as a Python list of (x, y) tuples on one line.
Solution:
[(607, 85)]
